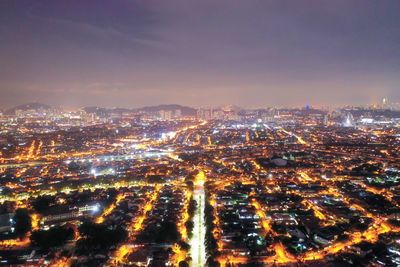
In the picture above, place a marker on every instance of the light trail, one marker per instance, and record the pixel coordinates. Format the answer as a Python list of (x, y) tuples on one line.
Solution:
[(179, 253), (209, 140), (110, 209), (52, 145), (265, 223), (15, 243), (198, 250), (198, 139), (306, 177), (247, 137), (256, 165), (38, 150), (282, 255), (379, 226), (299, 139), (21, 243), (185, 216), (315, 208), (383, 192), (136, 225), (35, 221)]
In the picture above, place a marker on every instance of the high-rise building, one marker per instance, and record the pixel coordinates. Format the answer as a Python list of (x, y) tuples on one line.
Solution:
[(326, 120), (385, 103), (165, 115), (205, 114), (349, 120), (178, 113)]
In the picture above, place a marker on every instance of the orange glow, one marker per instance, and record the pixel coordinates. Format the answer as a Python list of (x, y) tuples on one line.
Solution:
[(216, 222), (209, 140), (184, 216), (314, 207), (258, 167), (306, 177), (281, 256), (179, 254), (35, 221), (200, 178), (123, 251), (110, 209), (15, 243)]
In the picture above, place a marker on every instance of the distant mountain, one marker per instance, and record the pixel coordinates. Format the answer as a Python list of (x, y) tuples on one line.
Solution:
[(25, 107)]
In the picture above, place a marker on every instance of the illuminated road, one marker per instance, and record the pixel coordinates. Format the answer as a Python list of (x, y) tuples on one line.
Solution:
[(197, 243), (299, 139)]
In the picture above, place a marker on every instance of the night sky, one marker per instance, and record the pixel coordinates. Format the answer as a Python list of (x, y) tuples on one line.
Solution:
[(134, 53)]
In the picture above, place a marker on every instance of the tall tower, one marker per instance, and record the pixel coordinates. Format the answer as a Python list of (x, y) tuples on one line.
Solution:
[(384, 103), (326, 120), (349, 120)]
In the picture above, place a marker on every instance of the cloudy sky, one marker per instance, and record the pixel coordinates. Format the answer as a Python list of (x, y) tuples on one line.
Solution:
[(131, 53)]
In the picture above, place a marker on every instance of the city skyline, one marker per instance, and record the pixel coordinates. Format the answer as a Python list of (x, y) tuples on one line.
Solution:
[(384, 104), (251, 54), (193, 188)]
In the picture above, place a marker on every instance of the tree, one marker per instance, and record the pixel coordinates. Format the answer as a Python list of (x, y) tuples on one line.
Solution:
[(189, 226), (185, 246), (192, 207), (23, 222), (343, 237), (97, 235), (73, 166), (42, 203), (52, 238), (210, 242), (161, 232), (189, 157), (183, 264), (212, 263)]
